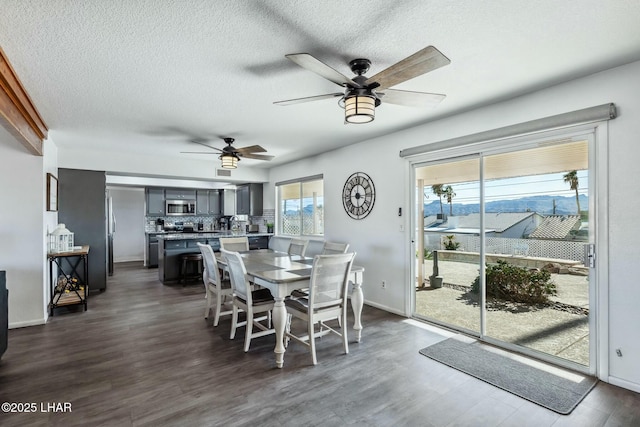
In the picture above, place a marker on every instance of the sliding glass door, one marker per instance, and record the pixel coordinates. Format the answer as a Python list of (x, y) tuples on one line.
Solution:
[(503, 236), (449, 192)]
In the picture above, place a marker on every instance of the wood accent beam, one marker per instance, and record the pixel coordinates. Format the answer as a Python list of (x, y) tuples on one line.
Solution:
[(17, 112)]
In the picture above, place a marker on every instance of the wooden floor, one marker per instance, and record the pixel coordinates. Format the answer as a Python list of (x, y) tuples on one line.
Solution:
[(144, 355)]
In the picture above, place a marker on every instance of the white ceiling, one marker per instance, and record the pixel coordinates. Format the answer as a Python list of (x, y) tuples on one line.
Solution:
[(148, 75)]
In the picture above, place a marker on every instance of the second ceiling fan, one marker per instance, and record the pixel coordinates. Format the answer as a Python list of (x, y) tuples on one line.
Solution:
[(363, 94), (230, 155)]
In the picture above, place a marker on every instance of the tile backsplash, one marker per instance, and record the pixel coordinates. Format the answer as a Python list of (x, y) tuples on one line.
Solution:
[(268, 215)]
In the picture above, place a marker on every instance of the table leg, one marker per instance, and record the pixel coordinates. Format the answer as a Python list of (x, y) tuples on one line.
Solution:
[(279, 318), (357, 301)]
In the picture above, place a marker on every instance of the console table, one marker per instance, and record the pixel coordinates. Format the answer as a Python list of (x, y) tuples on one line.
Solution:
[(70, 286)]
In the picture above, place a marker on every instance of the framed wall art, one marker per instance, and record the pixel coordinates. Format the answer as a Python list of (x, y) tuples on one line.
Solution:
[(52, 193)]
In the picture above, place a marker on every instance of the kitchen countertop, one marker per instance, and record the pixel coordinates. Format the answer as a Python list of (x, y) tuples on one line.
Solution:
[(206, 234)]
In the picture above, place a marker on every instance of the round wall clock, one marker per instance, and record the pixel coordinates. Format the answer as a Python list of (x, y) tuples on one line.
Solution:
[(358, 195)]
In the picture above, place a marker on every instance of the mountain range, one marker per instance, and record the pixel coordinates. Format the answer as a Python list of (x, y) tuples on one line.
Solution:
[(544, 205)]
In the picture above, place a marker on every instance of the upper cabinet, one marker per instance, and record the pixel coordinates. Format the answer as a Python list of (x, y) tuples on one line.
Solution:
[(155, 201), (180, 194), (249, 199), (228, 202), (202, 202), (209, 202), (215, 206)]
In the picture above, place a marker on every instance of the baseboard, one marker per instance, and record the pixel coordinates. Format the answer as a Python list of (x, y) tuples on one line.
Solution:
[(624, 384), (385, 308), (115, 261), (26, 323)]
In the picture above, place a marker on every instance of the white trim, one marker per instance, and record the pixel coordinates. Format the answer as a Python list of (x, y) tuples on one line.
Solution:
[(25, 323), (599, 304), (385, 308), (624, 384)]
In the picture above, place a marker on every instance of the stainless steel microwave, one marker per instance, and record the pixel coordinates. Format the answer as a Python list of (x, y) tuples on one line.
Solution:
[(180, 207)]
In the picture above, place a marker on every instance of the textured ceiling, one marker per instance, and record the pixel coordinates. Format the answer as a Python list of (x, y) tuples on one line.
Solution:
[(149, 75)]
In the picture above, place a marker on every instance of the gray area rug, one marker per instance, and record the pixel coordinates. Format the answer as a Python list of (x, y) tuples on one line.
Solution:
[(543, 388)]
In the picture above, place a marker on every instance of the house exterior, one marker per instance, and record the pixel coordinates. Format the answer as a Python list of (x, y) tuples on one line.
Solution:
[(514, 225), (557, 227)]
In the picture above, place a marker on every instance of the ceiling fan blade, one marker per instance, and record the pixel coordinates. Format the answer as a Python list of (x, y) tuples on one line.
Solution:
[(314, 65), (421, 62), (251, 149), (202, 142), (199, 152), (256, 156), (410, 98), (308, 99)]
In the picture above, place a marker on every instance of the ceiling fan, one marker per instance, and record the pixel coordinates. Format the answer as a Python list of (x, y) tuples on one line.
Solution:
[(363, 94), (230, 155)]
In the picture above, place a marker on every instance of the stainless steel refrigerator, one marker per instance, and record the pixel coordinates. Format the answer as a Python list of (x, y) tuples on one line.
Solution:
[(111, 229)]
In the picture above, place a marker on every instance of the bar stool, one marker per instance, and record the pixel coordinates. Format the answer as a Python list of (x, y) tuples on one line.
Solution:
[(189, 262)]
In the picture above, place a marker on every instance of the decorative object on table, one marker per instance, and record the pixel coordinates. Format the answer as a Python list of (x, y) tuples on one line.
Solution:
[(52, 193), (270, 227), (60, 240), (363, 94), (358, 195)]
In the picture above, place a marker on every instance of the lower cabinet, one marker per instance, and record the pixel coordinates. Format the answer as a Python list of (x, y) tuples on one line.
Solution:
[(152, 250), (170, 252), (259, 242)]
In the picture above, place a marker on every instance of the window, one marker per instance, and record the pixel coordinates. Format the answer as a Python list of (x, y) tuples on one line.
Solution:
[(301, 207)]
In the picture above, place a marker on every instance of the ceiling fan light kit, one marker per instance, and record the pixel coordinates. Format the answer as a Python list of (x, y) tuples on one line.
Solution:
[(229, 161), (359, 109), (360, 97)]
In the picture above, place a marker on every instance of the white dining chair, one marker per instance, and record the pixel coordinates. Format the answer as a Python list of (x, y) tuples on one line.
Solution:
[(335, 248), (327, 300), (234, 244), (297, 247), (329, 248), (251, 301), (216, 288)]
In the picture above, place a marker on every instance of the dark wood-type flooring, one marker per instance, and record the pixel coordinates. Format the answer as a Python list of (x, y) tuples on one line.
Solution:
[(144, 355)]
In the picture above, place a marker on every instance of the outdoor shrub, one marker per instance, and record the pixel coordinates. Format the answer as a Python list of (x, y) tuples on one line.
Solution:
[(518, 284), (450, 244)]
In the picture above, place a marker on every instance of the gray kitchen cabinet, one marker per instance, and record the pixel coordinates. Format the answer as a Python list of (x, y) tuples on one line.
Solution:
[(215, 205), (155, 201), (202, 202), (180, 194), (228, 202), (249, 199), (152, 250)]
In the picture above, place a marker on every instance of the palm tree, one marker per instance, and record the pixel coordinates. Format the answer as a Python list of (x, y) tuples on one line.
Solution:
[(438, 190), (448, 192), (572, 179)]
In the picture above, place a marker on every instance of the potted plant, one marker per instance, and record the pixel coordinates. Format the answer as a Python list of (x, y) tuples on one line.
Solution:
[(269, 227)]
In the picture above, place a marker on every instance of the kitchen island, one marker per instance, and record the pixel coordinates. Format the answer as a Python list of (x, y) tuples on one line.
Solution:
[(171, 246)]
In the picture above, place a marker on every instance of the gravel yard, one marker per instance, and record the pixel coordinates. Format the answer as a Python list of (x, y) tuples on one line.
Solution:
[(559, 332)]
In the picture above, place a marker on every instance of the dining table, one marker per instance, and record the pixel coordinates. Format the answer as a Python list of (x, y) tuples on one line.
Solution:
[(282, 273)]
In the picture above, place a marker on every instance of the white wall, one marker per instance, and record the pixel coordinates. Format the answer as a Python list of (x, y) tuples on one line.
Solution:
[(385, 252), (23, 228), (128, 240)]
